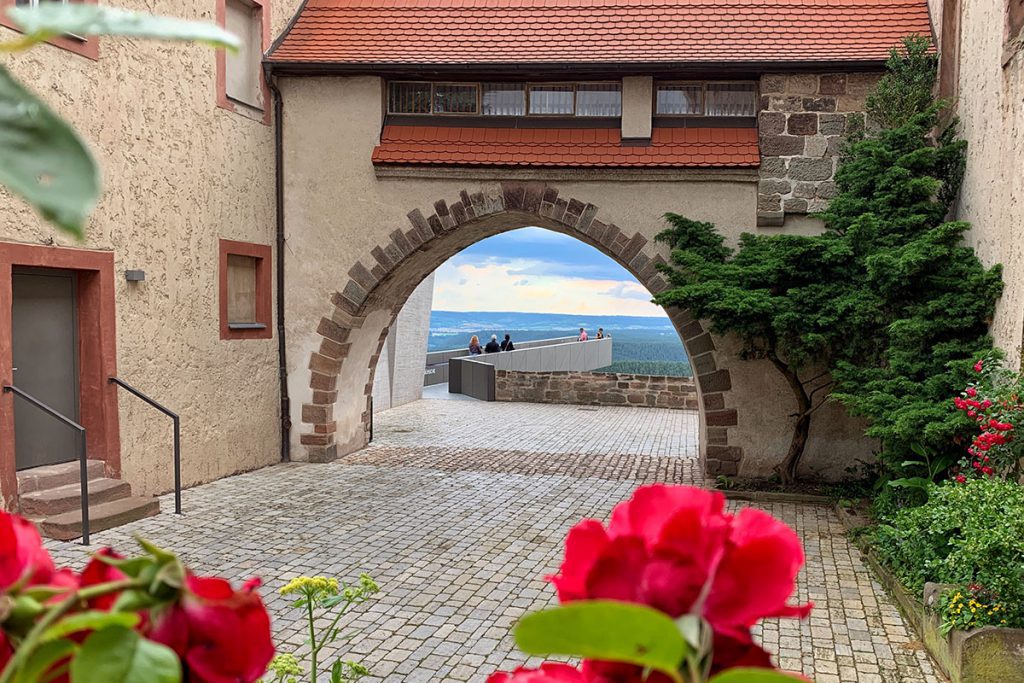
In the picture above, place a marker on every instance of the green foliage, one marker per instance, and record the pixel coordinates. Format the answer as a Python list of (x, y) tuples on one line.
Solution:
[(926, 467), (906, 87), (45, 161), (963, 608), (605, 630), (318, 596), (888, 299), (965, 533), (117, 654)]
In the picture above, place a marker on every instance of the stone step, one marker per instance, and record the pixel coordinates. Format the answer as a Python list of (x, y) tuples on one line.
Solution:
[(68, 525), (52, 476), (68, 497)]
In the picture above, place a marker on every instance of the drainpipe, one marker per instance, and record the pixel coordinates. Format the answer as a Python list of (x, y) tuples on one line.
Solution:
[(282, 358)]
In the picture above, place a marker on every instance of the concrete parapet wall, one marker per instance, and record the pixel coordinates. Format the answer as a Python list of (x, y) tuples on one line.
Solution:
[(596, 388)]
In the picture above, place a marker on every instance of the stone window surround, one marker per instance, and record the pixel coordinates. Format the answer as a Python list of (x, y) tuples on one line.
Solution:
[(223, 101), (88, 47), (264, 268)]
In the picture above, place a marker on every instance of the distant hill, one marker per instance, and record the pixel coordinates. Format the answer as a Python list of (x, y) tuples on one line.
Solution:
[(642, 345)]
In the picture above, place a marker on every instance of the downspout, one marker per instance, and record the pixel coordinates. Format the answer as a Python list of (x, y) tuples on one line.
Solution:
[(282, 357)]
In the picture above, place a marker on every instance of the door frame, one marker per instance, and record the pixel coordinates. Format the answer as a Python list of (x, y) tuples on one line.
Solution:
[(97, 353)]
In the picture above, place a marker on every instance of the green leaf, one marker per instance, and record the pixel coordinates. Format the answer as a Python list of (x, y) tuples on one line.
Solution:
[(44, 657), (92, 620), (120, 655), (753, 676), (44, 160), (911, 483), (605, 630), (55, 19)]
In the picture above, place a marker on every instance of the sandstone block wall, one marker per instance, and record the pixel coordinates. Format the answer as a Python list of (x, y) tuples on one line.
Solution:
[(802, 122), (596, 388)]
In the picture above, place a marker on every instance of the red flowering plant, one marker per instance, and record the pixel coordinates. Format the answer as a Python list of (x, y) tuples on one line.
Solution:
[(668, 591), (995, 403), (146, 618)]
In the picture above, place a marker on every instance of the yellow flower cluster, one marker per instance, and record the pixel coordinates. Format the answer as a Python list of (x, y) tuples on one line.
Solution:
[(311, 585), (956, 606)]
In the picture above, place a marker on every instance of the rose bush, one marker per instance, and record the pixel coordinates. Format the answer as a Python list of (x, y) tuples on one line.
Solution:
[(143, 618), (676, 550)]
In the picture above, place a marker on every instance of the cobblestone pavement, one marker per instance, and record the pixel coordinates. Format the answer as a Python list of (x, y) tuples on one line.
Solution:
[(460, 538)]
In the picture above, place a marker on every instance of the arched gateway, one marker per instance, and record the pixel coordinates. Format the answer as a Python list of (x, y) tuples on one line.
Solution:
[(410, 131)]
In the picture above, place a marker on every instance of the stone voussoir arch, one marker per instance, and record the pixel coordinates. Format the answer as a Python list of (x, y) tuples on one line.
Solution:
[(573, 216)]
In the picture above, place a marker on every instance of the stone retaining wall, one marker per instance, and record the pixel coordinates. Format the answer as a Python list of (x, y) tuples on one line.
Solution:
[(596, 388)]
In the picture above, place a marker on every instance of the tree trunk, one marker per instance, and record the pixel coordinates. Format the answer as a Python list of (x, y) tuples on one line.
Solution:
[(787, 468)]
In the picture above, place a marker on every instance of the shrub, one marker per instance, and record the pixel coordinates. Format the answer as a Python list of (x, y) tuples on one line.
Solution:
[(966, 533)]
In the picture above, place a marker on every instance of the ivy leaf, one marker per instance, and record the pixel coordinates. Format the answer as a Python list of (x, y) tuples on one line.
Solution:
[(754, 676), (605, 630), (44, 160), (120, 655), (92, 620), (55, 19)]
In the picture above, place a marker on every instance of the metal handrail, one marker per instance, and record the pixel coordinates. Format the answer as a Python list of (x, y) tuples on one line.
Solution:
[(82, 458), (177, 435)]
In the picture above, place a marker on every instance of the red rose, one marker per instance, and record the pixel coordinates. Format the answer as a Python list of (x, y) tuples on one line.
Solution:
[(22, 553), (547, 673), (961, 479), (220, 635), (675, 549), (972, 392), (978, 366)]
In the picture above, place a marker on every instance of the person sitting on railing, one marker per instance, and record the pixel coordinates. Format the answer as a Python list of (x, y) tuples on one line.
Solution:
[(492, 346), (474, 346), (506, 344), (600, 333), (583, 335)]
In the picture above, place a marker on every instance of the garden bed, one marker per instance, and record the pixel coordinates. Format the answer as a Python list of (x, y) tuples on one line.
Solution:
[(989, 654)]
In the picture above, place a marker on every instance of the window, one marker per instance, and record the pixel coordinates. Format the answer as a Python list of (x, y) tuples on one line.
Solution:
[(244, 290), (684, 99), (87, 46), (242, 69), (730, 99), (409, 98), (240, 86), (551, 100), (503, 99), (598, 99), (718, 99), (455, 99)]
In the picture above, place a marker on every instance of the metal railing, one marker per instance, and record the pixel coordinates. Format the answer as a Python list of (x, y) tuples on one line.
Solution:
[(82, 456), (177, 435)]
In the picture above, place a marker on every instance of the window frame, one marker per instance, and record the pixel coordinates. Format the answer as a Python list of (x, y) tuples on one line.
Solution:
[(225, 102), (703, 98), (529, 99), (522, 88), (87, 46), (576, 99), (433, 98), (263, 326)]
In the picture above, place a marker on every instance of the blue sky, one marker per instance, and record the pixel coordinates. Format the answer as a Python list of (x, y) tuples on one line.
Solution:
[(535, 270)]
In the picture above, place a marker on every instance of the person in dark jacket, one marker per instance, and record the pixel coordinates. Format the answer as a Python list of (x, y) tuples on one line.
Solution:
[(492, 346), (506, 344)]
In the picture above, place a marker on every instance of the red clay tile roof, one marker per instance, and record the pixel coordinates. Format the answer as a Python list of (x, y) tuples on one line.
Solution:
[(566, 147), (481, 32)]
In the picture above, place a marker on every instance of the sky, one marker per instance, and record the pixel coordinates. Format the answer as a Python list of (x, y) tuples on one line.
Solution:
[(533, 270)]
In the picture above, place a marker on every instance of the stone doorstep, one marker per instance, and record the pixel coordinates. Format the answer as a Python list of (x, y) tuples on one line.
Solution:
[(52, 476), (68, 497), (67, 526)]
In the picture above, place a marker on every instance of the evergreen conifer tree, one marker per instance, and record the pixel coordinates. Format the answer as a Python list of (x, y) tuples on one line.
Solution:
[(887, 308)]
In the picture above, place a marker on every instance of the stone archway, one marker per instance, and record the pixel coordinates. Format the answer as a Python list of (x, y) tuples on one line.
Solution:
[(380, 282)]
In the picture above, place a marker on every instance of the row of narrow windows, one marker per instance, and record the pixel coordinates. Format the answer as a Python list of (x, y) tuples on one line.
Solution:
[(589, 99)]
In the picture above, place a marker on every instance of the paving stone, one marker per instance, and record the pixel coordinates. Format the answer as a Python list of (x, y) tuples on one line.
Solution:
[(460, 513)]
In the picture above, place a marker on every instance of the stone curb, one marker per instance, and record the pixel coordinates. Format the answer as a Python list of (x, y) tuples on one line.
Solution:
[(775, 497)]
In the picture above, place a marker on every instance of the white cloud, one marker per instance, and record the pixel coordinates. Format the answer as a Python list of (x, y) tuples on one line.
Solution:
[(498, 286)]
